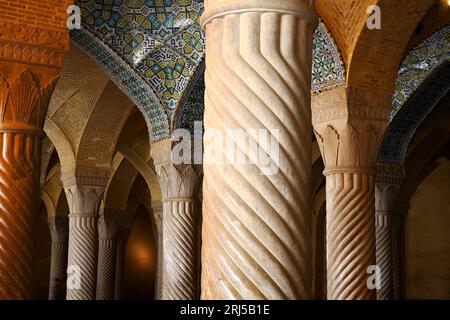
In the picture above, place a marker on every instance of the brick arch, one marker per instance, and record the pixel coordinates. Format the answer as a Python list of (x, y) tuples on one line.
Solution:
[(85, 117), (126, 79), (372, 57), (77, 91), (101, 132), (119, 187), (375, 55), (51, 190)]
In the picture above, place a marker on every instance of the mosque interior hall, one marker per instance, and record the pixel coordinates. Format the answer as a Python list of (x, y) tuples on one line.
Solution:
[(224, 150)]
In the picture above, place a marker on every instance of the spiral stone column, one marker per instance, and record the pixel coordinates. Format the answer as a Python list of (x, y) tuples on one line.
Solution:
[(108, 231), (388, 182), (179, 231), (158, 216), (256, 236), (84, 201), (349, 146), (59, 230), (30, 62), (24, 96)]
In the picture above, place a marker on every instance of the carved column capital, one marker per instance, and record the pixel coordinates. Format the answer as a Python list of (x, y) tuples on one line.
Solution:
[(350, 102), (24, 101), (59, 229), (177, 182), (389, 178), (349, 146), (84, 200)]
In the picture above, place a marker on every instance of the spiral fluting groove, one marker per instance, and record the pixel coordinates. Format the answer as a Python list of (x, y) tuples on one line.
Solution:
[(82, 257), (179, 251), (106, 269), (350, 235), (58, 269), (256, 235), (383, 235), (19, 188)]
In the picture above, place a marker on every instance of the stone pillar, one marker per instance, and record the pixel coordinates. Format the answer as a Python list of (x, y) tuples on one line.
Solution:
[(388, 181), (107, 231), (59, 230), (30, 62), (179, 232), (24, 97), (158, 216), (256, 221), (84, 201), (349, 148)]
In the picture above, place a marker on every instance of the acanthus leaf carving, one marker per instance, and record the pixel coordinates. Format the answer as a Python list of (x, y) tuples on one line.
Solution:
[(349, 145), (177, 182), (84, 200), (25, 100)]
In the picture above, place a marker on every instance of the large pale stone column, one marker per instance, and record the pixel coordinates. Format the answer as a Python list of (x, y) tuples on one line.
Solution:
[(158, 216), (59, 231), (84, 201), (108, 228), (256, 224), (388, 181), (179, 224)]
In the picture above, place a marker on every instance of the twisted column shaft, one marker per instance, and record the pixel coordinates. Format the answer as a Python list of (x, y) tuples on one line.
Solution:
[(19, 187), (83, 241), (256, 236), (383, 235), (23, 104), (107, 251), (179, 266), (388, 181), (59, 231), (82, 258), (350, 235), (179, 250)]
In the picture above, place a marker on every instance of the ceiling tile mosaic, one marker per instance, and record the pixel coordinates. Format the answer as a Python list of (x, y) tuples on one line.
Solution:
[(328, 69), (419, 64), (160, 39)]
